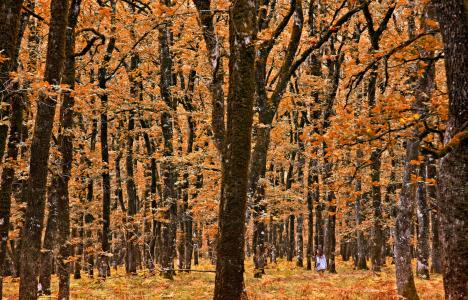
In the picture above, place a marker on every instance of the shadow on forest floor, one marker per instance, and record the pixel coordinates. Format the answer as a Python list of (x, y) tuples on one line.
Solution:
[(282, 281)]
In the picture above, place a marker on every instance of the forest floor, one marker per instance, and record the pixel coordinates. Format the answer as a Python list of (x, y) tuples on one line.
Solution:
[(282, 281)]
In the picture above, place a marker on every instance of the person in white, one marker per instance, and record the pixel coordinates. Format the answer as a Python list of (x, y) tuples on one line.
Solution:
[(320, 262)]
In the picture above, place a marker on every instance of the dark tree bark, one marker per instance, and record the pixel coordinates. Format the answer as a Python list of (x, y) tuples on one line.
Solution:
[(330, 236), (31, 240), (405, 208), (453, 19), (334, 67), (432, 194), (319, 234), (155, 190), (422, 213), (50, 239), (187, 217), (196, 246), (390, 202), (65, 140), (9, 28), (8, 175), (292, 238), (213, 45), (132, 246), (10, 16), (229, 282), (361, 263), (280, 240), (377, 233), (408, 196), (268, 110), (106, 188), (312, 194), (169, 175), (300, 242), (88, 216)]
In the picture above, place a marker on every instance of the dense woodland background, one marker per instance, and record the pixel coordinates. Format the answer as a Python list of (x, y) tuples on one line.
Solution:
[(152, 135)]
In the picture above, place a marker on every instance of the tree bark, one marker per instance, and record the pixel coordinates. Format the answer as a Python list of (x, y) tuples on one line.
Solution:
[(229, 283), (213, 46), (405, 207), (300, 242), (432, 194), (31, 241), (312, 193), (132, 247), (361, 263), (453, 19), (10, 15), (66, 150), (105, 173), (9, 25), (422, 213), (169, 175), (50, 239)]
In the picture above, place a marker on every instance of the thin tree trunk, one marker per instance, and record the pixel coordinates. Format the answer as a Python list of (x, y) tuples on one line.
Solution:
[(361, 263), (300, 242), (106, 188), (292, 238), (311, 190), (405, 207), (131, 247), (431, 187), (422, 213), (169, 176), (66, 150)]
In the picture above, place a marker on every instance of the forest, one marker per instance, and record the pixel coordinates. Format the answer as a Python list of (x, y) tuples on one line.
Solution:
[(233, 149)]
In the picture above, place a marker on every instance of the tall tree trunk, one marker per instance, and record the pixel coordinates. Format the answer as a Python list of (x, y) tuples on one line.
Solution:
[(31, 240), (405, 208), (432, 194), (229, 282), (8, 25), (312, 190), (319, 234), (280, 240), (66, 150), (377, 233), (8, 175), (50, 239), (105, 174), (213, 46), (169, 176), (361, 263), (10, 15), (131, 247), (453, 19), (10, 12), (300, 242), (422, 213), (257, 191), (292, 238)]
